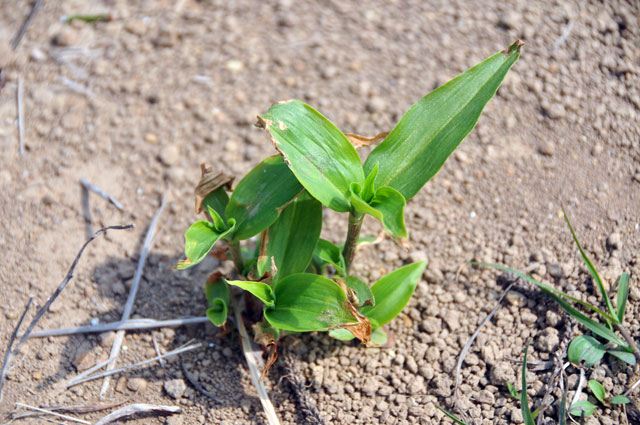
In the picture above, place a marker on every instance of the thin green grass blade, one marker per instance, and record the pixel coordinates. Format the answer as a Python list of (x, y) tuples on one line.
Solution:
[(451, 416), (524, 401), (545, 287), (623, 294), (594, 273)]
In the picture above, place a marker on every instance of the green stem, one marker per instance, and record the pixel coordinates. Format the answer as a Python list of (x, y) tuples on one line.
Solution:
[(351, 242), (236, 255)]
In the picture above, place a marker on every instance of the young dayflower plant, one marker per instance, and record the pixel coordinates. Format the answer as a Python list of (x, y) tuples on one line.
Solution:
[(303, 281)]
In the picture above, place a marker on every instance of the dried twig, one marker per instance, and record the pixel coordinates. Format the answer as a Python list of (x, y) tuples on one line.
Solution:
[(132, 409), (467, 346), (20, 115), (7, 354), (632, 388), (25, 25), (126, 313), (70, 409), (157, 347), (49, 412), (563, 37), (56, 293), (107, 373), (101, 193), (254, 370), (131, 324), (299, 389), (195, 383)]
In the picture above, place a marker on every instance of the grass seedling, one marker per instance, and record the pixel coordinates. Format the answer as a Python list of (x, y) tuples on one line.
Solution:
[(303, 282)]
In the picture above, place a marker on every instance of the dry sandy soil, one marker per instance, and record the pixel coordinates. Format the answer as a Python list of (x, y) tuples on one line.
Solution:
[(134, 105)]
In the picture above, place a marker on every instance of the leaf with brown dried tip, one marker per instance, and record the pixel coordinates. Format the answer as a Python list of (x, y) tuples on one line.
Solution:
[(360, 141), (209, 182), (361, 329)]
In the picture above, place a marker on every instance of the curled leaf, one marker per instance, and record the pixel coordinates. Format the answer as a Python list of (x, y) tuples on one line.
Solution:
[(209, 182), (361, 329)]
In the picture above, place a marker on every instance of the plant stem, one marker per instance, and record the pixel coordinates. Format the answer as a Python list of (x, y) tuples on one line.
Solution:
[(351, 242), (236, 255), (627, 337)]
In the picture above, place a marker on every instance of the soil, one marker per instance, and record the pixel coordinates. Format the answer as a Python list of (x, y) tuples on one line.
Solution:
[(134, 105)]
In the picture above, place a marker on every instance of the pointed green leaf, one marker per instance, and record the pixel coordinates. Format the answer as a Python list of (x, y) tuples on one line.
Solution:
[(368, 189), (546, 288), (218, 299), (379, 336), (329, 253), (392, 293), (598, 390), (362, 290), (451, 416), (218, 222), (623, 294), (582, 408), (307, 302), (387, 206), (217, 200), (593, 271), (263, 265), (626, 355), (620, 399), (260, 290), (256, 201), (294, 236), (587, 349), (434, 126), (512, 390), (321, 157), (524, 401), (199, 239)]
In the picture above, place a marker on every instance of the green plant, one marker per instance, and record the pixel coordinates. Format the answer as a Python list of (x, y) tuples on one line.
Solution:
[(585, 348), (303, 281)]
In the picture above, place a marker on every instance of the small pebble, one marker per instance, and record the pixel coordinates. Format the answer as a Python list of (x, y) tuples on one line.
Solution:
[(175, 388), (555, 270), (137, 384), (614, 241)]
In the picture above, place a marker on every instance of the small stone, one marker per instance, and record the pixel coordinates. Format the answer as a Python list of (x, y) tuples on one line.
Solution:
[(549, 340), (118, 288), (431, 325), (370, 386), (72, 120), (452, 319), (511, 20), (376, 104), (169, 155), (555, 270), (501, 373), (516, 299), (227, 352), (516, 415), (614, 240), (417, 386), (417, 256), (485, 396), (554, 111), (121, 384), (175, 388), (234, 65), (136, 26), (137, 384), (37, 376), (66, 37), (151, 138), (82, 358), (547, 149), (174, 420), (329, 72), (106, 339)]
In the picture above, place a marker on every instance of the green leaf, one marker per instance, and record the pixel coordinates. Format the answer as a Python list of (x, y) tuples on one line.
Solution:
[(598, 390), (387, 206), (219, 224), (623, 294), (294, 236), (562, 408), (619, 399), (329, 253), (593, 271), (626, 355), (524, 401), (199, 239), (512, 390), (307, 302), (585, 349), (342, 334), (451, 416), (546, 288), (256, 201), (217, 200), (392, 293), (260, 290), (582, 408), (217, 292), (379, 336), (362, 291), (321, 157), (368, 189), (434, 126)]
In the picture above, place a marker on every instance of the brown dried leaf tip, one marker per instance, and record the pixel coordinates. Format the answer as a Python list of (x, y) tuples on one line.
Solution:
[(268, 341), (362, 329), (359, 141), (209, 182), (515, 47)]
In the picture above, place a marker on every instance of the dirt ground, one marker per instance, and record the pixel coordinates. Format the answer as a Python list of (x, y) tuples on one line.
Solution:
[(134, 105)]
